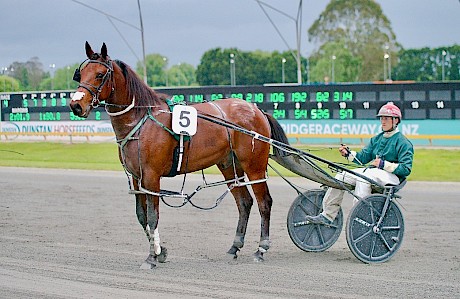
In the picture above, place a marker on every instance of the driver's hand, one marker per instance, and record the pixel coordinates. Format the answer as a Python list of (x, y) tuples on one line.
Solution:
[(344, 151), (376, 162)]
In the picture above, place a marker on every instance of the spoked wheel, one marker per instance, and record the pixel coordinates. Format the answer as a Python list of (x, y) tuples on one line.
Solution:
[(367, 241), (308, 236)]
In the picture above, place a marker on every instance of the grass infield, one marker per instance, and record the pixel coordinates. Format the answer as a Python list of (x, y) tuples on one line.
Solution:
[(429, 164)]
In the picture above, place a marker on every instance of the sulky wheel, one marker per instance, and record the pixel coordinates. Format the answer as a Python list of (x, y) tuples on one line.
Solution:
[(308, 236), (368, 241)]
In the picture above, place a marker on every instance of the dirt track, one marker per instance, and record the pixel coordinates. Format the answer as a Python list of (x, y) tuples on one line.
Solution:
[(74, 234)]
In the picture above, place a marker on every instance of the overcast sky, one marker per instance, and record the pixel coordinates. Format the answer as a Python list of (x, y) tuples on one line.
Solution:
[(182, 30)]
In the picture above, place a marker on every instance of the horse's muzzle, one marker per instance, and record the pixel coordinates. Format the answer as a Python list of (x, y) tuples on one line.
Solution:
[(76, 109)]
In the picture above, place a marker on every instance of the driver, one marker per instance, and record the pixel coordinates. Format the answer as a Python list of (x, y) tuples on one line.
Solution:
[(390, 154)]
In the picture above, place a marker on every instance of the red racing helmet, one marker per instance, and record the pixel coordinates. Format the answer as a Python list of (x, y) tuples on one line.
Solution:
[(390, 109)]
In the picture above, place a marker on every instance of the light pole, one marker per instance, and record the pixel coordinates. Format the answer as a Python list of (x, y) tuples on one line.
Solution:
[(179, 73), (141, 29), (232, 70), (166, 69), (52, 66), (283, 61), (308, 70), (67, 76), (444, 53), (143, 43), (332, 69), (298, 27), (389, 67), (385, 57), (10, 74), (4, 69)]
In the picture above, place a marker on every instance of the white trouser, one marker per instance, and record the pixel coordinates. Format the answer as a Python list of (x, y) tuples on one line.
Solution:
[(333, 197)]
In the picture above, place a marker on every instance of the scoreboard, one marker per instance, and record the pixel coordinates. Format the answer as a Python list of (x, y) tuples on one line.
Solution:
[(293, 102)]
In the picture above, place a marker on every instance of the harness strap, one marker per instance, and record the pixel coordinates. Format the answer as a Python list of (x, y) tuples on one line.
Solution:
[(128, 137), (229, 139), (131, 106), (149, 115), (121, 145)]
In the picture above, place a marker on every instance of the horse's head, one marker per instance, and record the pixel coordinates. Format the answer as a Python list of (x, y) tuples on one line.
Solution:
[(95, 76)]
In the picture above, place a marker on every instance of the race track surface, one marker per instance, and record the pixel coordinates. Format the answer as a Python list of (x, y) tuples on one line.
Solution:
[(74, 234)]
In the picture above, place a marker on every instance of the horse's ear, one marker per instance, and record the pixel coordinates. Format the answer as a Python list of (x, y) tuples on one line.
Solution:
[(89, 51), (104, 51)]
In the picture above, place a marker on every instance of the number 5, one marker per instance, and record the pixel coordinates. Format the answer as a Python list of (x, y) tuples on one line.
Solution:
[(184, 120), (184, 116)]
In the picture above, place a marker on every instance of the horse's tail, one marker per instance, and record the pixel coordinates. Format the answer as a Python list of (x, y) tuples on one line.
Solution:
[(277, 133)]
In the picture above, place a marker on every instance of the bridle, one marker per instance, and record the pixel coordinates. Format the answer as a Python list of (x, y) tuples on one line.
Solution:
[(95, 91)]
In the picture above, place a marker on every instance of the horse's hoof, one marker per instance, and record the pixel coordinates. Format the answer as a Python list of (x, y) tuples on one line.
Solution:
[(161, 258), (147, 266), (258, 256), (233, 256), (149, 263), (233, 252)]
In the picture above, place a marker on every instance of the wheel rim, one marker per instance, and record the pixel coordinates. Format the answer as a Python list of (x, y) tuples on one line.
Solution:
[(307, 236), (369, 243)]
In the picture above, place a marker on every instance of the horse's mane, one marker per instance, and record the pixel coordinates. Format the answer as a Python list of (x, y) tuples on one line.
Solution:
[(145, 96)]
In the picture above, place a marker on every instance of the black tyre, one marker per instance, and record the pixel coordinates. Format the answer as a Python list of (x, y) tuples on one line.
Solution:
[(308, 236), (367, 241)]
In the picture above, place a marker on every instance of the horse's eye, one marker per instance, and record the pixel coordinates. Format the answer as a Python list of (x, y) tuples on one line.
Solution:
[(100, 76)]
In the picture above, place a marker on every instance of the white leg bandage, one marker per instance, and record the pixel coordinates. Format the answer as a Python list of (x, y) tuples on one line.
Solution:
[(147, 232), (156, 242)]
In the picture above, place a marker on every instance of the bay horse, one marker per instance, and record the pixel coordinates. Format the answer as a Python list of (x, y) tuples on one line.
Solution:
[(141, 120)]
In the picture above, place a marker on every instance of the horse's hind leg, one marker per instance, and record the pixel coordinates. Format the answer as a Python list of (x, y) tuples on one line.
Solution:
[(244, 202)]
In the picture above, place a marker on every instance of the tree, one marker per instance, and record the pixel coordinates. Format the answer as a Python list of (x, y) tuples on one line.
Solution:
[(333, 62), (29, 74), (250, 68), (214, 67), (363, 29), (8, 84), (182, 74), (427, 64), (269, 66), (155, 64), (62, 79), (158, 74)]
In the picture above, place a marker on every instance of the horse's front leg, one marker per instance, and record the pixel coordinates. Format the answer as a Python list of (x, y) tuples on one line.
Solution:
[(147, 210), (141, 213)]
